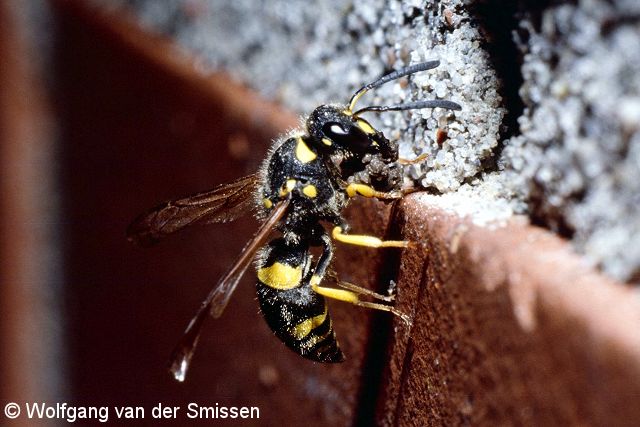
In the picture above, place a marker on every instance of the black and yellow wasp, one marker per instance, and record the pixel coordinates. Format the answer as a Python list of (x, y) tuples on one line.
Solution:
[(306, 179)]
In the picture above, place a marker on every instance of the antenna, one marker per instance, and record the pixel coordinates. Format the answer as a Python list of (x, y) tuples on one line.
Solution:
[(411, 69), (435, 103)]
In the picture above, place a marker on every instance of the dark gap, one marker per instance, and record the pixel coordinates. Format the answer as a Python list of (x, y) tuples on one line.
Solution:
[(546, 215), (375, 359), (542, 213), (497, 21)]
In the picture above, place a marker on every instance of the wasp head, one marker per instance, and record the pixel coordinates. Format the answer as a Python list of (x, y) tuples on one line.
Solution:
[(335, 129)]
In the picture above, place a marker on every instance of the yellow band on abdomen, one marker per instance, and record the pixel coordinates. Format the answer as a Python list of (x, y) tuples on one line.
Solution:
[(305, 327), (280, 276)]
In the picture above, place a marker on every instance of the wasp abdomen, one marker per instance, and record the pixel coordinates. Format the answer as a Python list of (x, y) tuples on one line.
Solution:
[(292, 309)]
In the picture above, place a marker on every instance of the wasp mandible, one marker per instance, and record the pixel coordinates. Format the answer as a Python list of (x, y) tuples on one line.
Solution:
[(307, 179)]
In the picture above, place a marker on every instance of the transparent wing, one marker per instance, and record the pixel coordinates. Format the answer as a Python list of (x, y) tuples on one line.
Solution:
[(218, 297), (222, 204)]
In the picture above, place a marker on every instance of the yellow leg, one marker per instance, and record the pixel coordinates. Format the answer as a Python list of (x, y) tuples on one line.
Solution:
[(368, 241), (339, 294), (352, 298), (368, 191)]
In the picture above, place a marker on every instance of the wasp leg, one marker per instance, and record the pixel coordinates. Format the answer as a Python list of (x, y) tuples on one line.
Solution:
[(352, 298), (367, 191), (350, 293), (368, 241), (322, 268), (375, 306), (325, 259), (360, 290)]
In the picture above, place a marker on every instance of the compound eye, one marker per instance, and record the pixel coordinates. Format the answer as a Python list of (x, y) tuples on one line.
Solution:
[(333, 129), (352, 138)]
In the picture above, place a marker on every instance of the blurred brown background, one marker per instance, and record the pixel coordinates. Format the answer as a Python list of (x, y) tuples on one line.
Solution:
[(100, 123), (100, 120)]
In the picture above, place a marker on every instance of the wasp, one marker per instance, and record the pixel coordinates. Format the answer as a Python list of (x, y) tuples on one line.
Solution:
[(306, 180)]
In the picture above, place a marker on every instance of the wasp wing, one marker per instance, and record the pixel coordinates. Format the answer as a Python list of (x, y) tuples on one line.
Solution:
[(218, 297), (222, 204)]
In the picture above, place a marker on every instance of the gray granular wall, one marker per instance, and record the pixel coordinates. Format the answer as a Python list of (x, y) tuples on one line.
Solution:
[(305, 53), (572, 161), (577, 160)]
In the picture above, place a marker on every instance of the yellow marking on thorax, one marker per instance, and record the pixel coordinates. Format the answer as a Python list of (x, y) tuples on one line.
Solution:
[(303, 152), (280, 276), (327, 142), (288, 187), (267, 203), (366, 127), (305, 327), (310, 191)]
